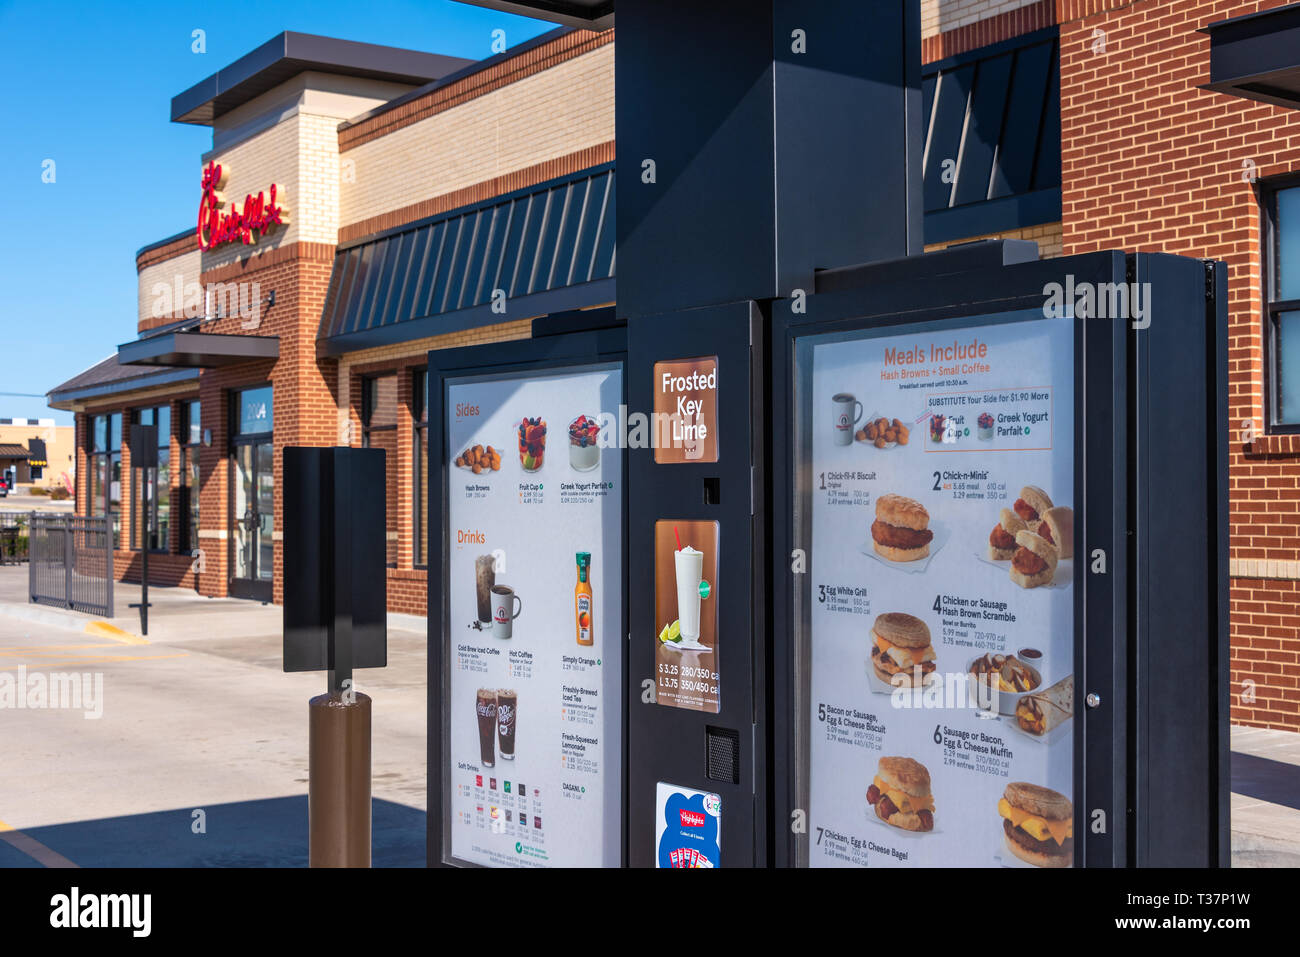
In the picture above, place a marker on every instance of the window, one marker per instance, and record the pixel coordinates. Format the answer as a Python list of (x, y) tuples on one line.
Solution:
[(153, 487), (379, 431), (105, 460), (1282, 304), (191, 438), (420, 464)]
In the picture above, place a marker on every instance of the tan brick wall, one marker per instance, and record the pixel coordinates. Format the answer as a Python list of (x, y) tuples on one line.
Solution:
[(562, 109), (159, 302), (1048, 236), (938, 16)]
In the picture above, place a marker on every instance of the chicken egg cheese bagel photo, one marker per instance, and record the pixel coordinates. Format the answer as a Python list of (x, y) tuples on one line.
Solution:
[(1038, 824), (900, 793), (1002, 540), (901, 653), (901, 530)]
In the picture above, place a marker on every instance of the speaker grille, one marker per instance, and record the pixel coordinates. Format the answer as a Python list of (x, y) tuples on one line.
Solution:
[(724, 755)]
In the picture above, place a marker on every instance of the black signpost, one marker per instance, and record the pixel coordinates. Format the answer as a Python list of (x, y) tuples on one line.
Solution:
[(144, 456), (335, 620)]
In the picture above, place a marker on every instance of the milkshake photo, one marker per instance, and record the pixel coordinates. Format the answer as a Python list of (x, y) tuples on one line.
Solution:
[(686, 615), (689, 565)]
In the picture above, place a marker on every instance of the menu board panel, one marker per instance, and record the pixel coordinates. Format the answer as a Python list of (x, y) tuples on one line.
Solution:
[(534, 574), (938, 477)]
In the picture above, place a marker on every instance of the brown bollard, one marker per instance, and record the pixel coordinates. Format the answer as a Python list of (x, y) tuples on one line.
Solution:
[(338, 792)]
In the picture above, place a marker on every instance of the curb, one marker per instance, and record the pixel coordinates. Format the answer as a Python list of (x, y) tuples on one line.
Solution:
[(42, 615)]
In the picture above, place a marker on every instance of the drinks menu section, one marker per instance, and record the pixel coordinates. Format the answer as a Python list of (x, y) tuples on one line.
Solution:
[(941, 591), (534, 650)]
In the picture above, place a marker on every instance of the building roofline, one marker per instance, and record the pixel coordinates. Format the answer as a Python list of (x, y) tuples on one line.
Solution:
[(288, 54), (470, 69)]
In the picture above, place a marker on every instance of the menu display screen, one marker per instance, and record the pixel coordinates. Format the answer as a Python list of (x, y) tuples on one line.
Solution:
[(534, 618), (936, 483)]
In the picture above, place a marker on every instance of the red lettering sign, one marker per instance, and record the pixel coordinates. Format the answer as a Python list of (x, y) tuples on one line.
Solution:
[(691, 819), (258, 215)]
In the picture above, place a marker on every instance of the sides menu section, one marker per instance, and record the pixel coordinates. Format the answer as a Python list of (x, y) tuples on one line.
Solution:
[(534, 629), (940, 598)]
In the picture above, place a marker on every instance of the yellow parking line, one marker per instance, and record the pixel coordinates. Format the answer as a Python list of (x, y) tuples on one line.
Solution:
[(104, 630), (32, 847)]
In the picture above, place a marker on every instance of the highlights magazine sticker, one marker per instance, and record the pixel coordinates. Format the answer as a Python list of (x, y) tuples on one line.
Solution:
[(688, 831)]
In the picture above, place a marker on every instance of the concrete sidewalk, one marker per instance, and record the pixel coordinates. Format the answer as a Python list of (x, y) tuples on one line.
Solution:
[(175, 614), (198, 717), (1265, 798)]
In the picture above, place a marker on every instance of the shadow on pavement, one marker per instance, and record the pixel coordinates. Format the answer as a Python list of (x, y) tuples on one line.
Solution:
[(1265, 779), (266, 833)]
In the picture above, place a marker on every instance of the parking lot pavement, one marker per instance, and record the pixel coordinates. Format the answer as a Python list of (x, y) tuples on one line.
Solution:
[(197, 717)]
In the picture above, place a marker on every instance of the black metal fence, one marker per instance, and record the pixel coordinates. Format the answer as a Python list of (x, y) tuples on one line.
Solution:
[(13, 538), (70, 562)]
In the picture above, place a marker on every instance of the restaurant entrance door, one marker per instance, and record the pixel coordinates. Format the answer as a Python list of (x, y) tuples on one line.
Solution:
[(252, 515)]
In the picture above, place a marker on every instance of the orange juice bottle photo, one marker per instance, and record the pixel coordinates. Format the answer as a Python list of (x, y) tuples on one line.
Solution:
[(582, 603)]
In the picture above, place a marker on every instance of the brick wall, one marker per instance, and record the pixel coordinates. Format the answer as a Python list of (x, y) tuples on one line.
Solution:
[(1151, 163), (559, 102), (1049, 237)]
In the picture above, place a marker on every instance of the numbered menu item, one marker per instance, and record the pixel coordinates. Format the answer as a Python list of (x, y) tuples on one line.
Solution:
[(532, 710), (939, 683)]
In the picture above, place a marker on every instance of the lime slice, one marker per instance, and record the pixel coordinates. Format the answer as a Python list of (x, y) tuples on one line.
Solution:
[(672, 632)]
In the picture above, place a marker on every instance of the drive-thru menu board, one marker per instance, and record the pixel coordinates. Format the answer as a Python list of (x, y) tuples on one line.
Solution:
[(940, 601), (535, 620)]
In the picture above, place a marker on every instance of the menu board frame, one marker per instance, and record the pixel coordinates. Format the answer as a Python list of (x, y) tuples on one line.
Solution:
[(892, 302), (542, 356)]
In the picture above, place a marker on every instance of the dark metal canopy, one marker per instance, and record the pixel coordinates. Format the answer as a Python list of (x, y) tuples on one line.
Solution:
[(582, 14), (992, 155), (1257, 56), (538, 250), (286, 55), (197, 350)]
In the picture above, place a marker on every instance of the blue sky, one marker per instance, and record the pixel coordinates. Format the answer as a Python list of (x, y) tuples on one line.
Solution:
[(89, 86)]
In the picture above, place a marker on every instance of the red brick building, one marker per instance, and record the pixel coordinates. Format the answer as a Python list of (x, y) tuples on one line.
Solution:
[(406, 202)]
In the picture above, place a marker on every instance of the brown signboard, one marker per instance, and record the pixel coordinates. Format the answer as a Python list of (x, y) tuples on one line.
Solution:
[(686, 411)]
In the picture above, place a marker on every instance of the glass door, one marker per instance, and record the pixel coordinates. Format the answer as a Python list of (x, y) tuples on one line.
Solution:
[(252, 517)]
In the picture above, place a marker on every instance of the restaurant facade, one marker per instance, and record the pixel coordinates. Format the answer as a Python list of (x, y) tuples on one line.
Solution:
[(362, 206)]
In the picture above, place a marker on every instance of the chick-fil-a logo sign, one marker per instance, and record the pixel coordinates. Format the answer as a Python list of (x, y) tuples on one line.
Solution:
[(258, 215)]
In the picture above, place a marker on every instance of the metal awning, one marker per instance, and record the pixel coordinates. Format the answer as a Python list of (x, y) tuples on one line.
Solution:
[(1257, 56), (197, 350), (992, 153), (543, 249), (582, 14)]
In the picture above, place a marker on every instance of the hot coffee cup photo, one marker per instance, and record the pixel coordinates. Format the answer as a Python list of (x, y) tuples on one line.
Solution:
[(845, 413), (506, 606)]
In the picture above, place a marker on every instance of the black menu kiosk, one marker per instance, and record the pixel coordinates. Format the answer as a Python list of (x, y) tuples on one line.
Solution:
[(924, 560)]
